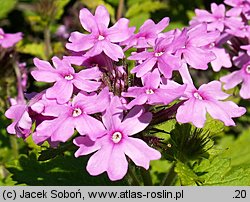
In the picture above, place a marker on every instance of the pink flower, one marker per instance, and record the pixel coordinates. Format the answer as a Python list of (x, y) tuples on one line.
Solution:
[(101, 38), (218, 19), (192, 46), (65, 78), (152, 92), (75, 114), (239, 6), (147, 34), (21, 126), (222, 58), (162, 56), (9, 40), (208, 98), (117, 142), (237, 77)]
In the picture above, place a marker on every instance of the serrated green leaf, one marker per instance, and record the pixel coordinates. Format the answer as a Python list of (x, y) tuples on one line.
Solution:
[(186, 175), (220, 172), (147, 6), (231, 166), (6, 7)]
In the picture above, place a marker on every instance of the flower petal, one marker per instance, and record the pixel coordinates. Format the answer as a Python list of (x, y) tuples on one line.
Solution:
[(87, 125), (118, 164), (61, 91), (135, 121), (232, 80), (145, 67), (99, 161), (139, 152), (86, 146), (102, 16), (113, 51), (87, 20), (245, 88), (224, 111), (213, 90), (192, 110), (119, 31)]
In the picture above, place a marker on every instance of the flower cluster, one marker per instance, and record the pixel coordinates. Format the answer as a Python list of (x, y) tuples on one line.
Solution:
[(112, 107)]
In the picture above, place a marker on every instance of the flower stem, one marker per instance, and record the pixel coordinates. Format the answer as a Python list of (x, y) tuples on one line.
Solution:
[(135, 180), (47, 42), (146, 177), (120, 9), (20, 96), (170, 177), (14, 146)]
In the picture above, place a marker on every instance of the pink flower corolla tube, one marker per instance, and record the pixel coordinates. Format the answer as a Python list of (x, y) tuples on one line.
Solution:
[(147, 34), (218, 19), (162, 56), (73, 115), (152, 92), (116, 143), (8, 40), (207, 98), (101, 38), (65, 78), (237, 77)]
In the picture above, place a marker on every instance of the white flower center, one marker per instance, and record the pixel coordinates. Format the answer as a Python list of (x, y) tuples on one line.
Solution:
[(248, 69), (1, 36), (158, 54), (149, 91), (116, 137), (100, 38), (212, 45), (198, 96), (69, 77), (77, 112)]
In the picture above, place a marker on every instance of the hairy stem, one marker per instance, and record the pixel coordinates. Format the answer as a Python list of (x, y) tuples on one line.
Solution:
[(170, 177), (146, 177), (135, 180)]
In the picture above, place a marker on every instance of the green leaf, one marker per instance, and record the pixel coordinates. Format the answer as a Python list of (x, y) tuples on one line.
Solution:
[(35, 49), (60, 4), (62, 170), (6, 7), (186, 175), (158, 170), (147, 6), (238, 151), (231, 166), (213, 126), (220, 172)]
